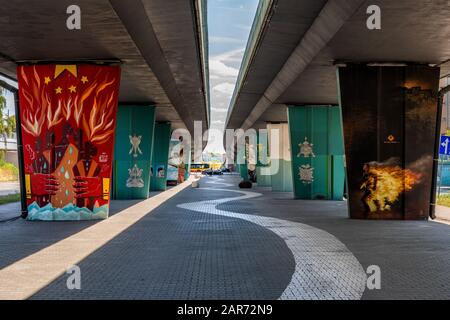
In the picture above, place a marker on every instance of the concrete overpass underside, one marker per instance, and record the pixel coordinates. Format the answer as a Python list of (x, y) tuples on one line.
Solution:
[(300, 43), (159, 44)]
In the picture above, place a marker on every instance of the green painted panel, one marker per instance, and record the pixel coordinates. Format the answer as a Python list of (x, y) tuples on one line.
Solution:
[(317, 152), (281, 181), (263, 180), (188, 166), (242, 164), (263, 160), (243, 171), (338, 183), (133, 152), (160, 157)]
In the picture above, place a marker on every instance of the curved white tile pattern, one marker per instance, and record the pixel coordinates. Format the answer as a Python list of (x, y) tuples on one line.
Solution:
[(325, 268)]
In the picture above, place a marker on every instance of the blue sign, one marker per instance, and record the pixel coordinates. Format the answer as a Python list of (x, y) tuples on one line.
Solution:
[(444, 147)]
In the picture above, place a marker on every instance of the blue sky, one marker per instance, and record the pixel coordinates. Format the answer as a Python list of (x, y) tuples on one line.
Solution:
[(229, 23)]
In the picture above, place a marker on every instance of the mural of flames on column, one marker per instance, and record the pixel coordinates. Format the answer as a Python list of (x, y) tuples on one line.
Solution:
[(68, 115), (384, 183)]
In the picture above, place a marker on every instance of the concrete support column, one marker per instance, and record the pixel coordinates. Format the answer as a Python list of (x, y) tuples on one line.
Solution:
[(133, 152), (160, 156), (179, 161), (281, 173), (187, 173), (241, 160), (317, 152), (389, 119), (263, 179)]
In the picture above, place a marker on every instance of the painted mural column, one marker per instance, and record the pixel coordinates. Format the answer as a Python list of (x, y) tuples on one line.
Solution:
[(160, 156), (187, 165), (68, 120), (389, 118), (133, 151), (317, 151), (263, 177), (241, 161), (281, 173), (178, 162)]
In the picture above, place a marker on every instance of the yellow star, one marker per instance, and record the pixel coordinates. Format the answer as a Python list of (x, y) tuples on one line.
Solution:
[(47, 80), (84, 79), (58, 90), (59, 68), (73, 89)]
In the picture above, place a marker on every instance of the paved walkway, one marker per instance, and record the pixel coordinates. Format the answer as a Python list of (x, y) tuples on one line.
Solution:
[(443, 213), (217, 242), (9, 210)]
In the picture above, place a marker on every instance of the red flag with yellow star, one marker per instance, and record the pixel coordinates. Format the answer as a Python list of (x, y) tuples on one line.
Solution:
[(68, 119)]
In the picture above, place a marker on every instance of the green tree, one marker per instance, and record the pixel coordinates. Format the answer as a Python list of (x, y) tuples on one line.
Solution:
[(7, 122)]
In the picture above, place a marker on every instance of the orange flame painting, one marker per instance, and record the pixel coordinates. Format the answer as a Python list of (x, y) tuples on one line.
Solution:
[(384, 183)]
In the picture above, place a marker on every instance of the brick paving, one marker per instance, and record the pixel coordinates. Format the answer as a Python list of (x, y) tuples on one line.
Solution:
[(174, 253)]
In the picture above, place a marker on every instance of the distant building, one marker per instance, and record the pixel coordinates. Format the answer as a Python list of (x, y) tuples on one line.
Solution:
[(11, 149), (445, 120)]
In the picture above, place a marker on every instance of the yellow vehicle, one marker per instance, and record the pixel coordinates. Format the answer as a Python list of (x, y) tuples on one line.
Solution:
[(215, 165), (199, 167)]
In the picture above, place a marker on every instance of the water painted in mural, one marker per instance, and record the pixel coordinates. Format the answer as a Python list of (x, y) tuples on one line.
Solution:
[(68, 117)]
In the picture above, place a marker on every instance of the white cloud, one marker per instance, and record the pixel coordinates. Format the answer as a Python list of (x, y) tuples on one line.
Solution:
[(225, 87), (224, 40), (243, 27), (219, 68), (220, 110)]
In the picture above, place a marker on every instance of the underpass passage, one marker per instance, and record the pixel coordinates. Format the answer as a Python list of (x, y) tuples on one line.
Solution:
[(178, 253)]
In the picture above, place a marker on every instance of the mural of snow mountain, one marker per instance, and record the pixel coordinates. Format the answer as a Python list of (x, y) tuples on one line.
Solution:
[(69, 212)]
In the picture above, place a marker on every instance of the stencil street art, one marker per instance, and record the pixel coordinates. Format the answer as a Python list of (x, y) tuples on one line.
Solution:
[(306, 149), (68, 118), (135, 178), (306, 174), (135, 142)]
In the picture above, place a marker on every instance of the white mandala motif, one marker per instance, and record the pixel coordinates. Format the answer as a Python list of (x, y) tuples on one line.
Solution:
[(306, 149)]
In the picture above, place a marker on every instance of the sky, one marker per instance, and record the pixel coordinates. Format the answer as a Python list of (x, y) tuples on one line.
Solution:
[(229, 24)]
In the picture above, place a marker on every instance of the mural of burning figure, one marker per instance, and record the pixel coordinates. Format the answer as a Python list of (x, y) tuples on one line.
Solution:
[(384, 183), (389, 113), (68, 115)]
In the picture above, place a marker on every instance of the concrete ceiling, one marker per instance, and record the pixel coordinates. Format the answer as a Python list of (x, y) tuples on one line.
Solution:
[(414, 31), (158, 43)]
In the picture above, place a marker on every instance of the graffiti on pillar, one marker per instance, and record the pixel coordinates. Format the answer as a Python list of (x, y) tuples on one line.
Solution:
[(160, 171), (306, 174), (389, 131), (135, 142), (67, 115), (135, 177), (176, 163), (306, 149)]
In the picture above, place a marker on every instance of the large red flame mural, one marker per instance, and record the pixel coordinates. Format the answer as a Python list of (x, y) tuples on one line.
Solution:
[(68, 116)]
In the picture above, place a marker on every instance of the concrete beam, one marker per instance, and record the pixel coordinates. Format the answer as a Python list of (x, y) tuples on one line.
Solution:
[(329, 21)]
